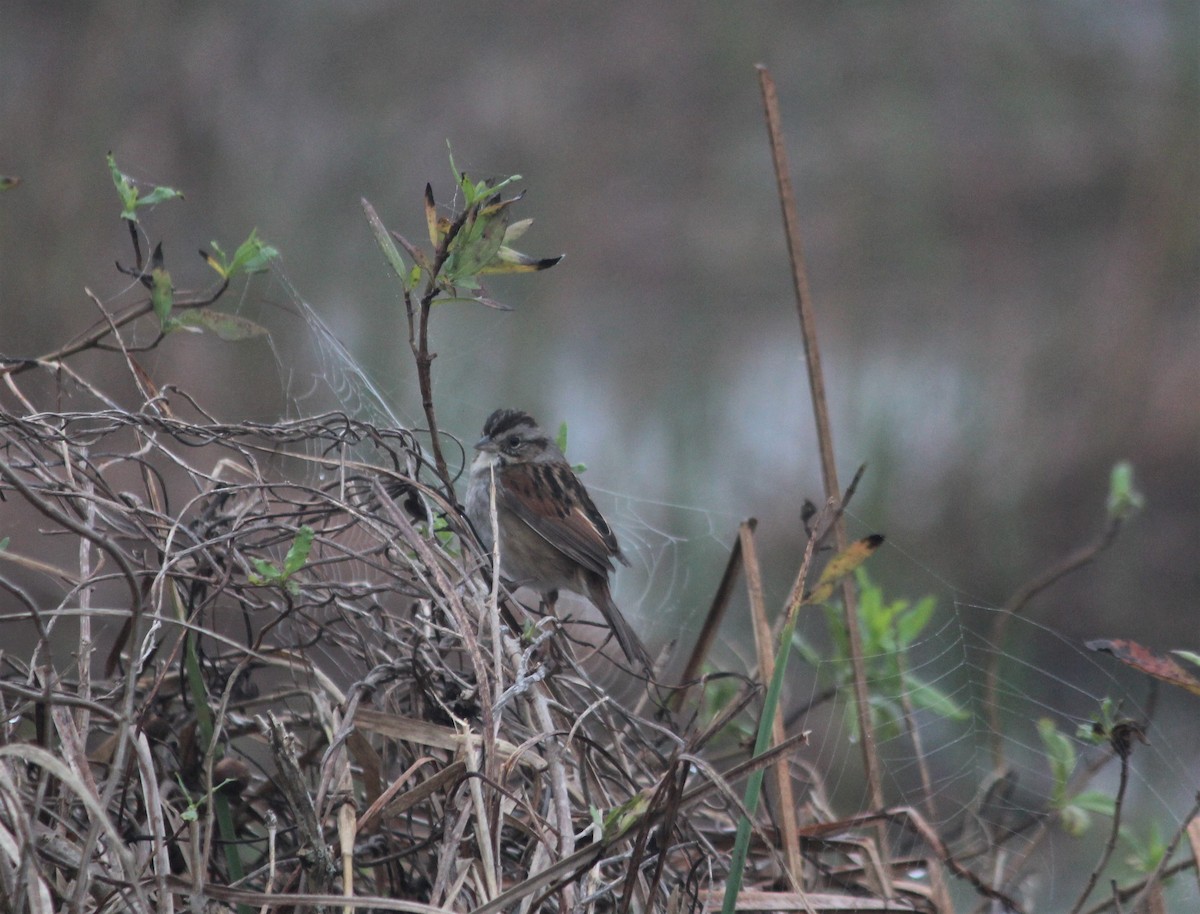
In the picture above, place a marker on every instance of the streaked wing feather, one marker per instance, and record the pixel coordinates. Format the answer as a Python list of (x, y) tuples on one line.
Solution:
[(563, 515)]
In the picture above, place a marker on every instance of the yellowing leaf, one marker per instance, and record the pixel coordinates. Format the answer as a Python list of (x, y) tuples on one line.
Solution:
[(841, 565), (229, 327), (214, 263), (509, 261), (516, 230), (431, 217)]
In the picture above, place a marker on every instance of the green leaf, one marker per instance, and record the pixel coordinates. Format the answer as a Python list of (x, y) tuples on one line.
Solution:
[(390, 252), (467, 282), (445, 535), (158, 195), (1146, 854), (4, 543), (1074, 820), (475, 246), (298, 553), (887, 715), (162, 295), (489, 187), (622, 818), (934, 699), (1099, 729), (459, 177), (807, 652), (130, 198), (252, 256), (267, 572), (1124, 500), (561, 438), (474, 192), (1095, 801), (913, 622), (835, 623), (229, 327), (870, 608), (1061, 755), (125, 189)]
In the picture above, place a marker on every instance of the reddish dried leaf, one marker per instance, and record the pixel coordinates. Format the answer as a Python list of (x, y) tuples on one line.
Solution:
[(1143, 659)]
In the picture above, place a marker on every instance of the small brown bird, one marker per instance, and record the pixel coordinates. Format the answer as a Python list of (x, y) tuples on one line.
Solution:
[(551, 534)]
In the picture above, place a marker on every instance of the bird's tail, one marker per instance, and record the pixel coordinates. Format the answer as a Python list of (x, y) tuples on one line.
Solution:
[(630, 643)]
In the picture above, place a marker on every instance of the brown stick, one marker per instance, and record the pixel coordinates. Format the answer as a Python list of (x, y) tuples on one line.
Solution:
[(110, 324), (712, 621), (785, 801), (420, 348), (816, 384)]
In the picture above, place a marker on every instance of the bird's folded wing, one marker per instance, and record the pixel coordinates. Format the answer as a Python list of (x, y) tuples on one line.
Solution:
[(561, 513)]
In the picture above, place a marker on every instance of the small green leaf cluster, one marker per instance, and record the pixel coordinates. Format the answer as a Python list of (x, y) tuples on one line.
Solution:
[(888, 629), (1145, 854), (445, 534), (561, 440), (1074, 810), (1124, 499), (252, 256), (131, 198), (468, 243), (1098, 731), (271, 574)]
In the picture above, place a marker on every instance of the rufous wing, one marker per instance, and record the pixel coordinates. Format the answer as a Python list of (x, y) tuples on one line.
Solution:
[(557, 507)]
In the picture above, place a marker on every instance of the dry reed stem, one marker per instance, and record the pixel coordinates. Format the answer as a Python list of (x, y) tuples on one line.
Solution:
[(784, 799), (712, 620), (816, 383)]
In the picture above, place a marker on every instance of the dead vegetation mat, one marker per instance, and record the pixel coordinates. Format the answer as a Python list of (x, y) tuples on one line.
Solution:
[(263, 666)]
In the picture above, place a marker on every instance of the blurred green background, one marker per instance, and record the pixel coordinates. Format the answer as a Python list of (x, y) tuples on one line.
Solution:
[(999, 206)]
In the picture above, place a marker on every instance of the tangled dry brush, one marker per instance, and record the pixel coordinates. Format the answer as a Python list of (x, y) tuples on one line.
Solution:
[(254, 660)]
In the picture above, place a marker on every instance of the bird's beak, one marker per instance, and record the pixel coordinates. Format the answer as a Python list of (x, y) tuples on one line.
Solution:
[(486, 444)]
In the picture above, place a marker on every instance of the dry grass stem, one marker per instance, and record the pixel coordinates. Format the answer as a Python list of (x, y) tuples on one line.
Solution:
[(361, 722)]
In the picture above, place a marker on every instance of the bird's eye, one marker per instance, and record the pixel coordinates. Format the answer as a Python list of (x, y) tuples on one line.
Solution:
[(514, 441)]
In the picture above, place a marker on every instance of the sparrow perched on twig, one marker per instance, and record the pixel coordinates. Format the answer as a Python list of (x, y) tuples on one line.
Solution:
[(551, 534)]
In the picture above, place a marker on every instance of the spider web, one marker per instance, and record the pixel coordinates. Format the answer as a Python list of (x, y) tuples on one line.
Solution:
[(982, 777), (986, 779), (328, 376)]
